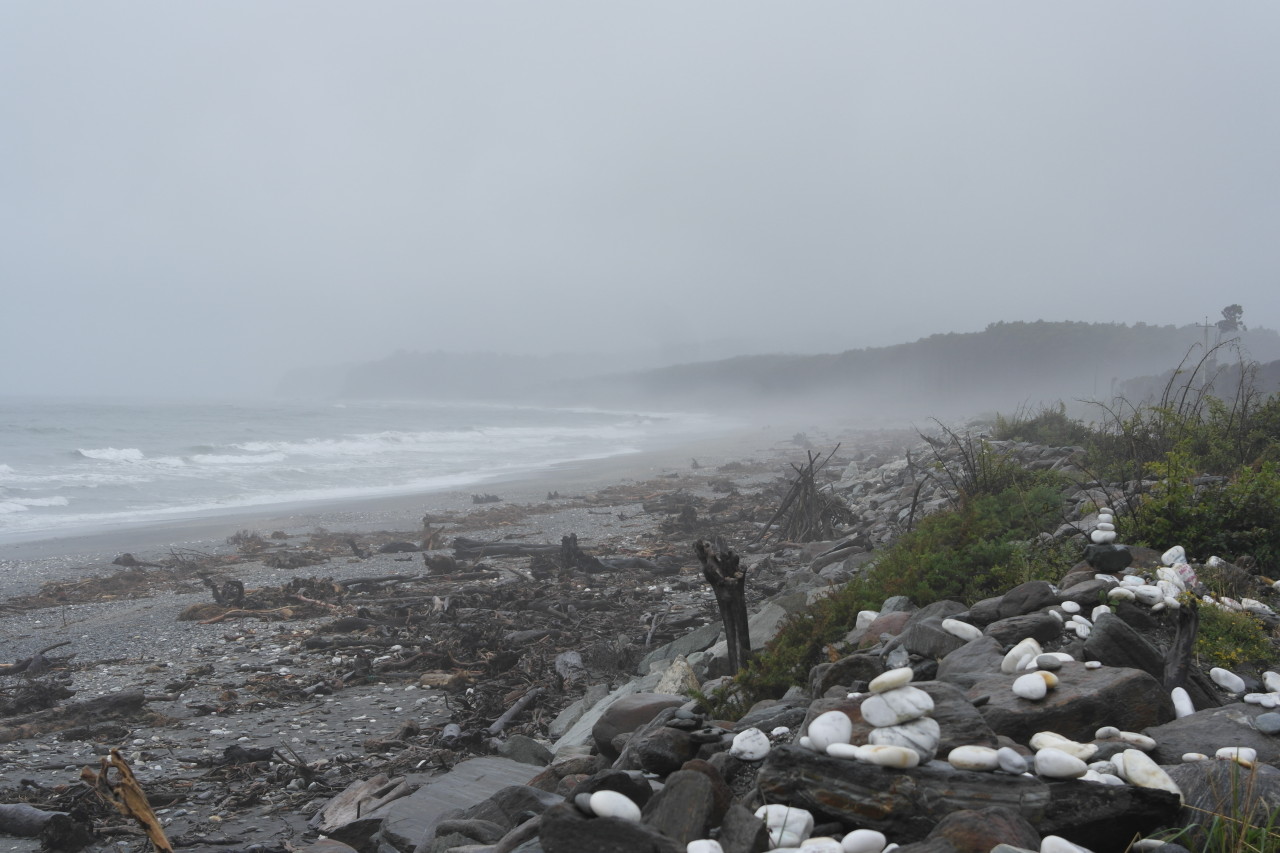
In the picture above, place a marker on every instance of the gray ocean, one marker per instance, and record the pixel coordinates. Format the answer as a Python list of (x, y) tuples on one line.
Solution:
[(69, 466)]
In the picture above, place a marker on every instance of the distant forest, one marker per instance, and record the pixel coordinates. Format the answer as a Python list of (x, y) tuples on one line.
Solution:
[(1005, 365)]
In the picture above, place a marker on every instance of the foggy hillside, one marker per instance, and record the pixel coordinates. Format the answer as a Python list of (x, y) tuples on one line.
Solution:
[(1005, 366)]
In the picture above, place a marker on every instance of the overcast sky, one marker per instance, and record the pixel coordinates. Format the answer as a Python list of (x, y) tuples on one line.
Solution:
[(196, 197)]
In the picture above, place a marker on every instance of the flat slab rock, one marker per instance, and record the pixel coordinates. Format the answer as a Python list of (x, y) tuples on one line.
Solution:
[(413, 818), (903, 804)]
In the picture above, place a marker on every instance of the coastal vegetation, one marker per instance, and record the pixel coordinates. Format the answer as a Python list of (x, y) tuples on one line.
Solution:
[(1193, 469)]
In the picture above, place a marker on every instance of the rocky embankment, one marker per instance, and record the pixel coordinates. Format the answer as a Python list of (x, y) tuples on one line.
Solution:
[(1043, 719)]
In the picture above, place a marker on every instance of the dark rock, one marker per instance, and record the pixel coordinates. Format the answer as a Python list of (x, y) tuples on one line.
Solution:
[(729, 767), (1111, 559), (585, 765), (1224, 787), (784, 712), (566, 830), (527, 831), (1026, 598), (630, 784), (1105, 818), (721, 795), (886, 624), (903, 804), (629, 744), (976, 657), (1268, 723), (1137, 616), (526, 750), (742, 832), (848, 671), (1088, 593), (477, 831), (977, 831), (985, 611), (665, 749), (923, 634), (683, 809), (628, 714), (1211, 729), (1043, 626), (510, 806), (1129, 699), (1115, 643), (960, 721)]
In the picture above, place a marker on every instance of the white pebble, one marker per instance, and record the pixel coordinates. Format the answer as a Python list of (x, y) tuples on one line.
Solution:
[(865, 618), (1189, 757), (963, 630), (889, 756), (703, 845), (863, 841), (1014, 659), (1106, 732), (1227, 680), (787, 826), (1245, 754), (1058, 844), (1102, 537), (978, 758), (828, 728), (1030, 686), (1139, 740), (1176, 554), (606, 803), (1142, 772), (1056, 764), (897, 706), (891, 680), (1071, 607), (921, 734), (1120, 593), (844, 750), (750, 745), (1105, 525), (821, 845), (1011, 761), (1098, 611), (1053, 740), (1093, 664)]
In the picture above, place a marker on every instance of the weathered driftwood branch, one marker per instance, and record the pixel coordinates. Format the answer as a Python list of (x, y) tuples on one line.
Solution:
[(722, 569), (33, 665), (127, 796), (24, 821), (510, 714)]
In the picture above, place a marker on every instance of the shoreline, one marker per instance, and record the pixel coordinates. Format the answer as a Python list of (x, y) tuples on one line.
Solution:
[(27, 563)]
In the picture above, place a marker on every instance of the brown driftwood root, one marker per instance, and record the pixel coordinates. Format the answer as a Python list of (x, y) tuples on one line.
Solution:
[(127, 796)]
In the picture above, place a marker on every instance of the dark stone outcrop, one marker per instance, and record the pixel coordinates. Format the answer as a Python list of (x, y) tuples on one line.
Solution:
[(1212, 729), (1105, 818)]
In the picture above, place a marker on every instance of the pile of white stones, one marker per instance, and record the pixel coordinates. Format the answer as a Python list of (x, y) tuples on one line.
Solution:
[(904, 735)]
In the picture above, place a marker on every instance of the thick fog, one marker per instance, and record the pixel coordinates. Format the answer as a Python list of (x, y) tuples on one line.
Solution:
[(197, 197)]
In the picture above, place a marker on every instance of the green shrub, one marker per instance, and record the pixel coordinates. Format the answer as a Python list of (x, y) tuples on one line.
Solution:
[(1233, 640), (1050, 426)]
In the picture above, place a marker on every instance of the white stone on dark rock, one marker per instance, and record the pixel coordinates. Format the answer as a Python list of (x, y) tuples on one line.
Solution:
[(1098, 611), (828, 728), (1011, 761), (805, 743), (606, 803), (1189, 757), (821, 845), (1240, 754), (865, 618), (1105, 525), (1050, 679), (1148, 594), (750, 745), (1227, 680), (787, 826), (963, 630), (1252, 698), (1106, 518), (1093, 664), (1071, 606), (1102, 537), (1142, 772), (891, 680), (897, 706), (1056, 764), (1106, 510), (921, 734), (1120, 593), (703, 845), (1058, 844), (863, 841), (1271, 680), (1176, 554), (844, 750), (1014, 658), (978, 758), (1139, 741), (889, 756), (1030, 686), (1053, 740), (1106, 732)]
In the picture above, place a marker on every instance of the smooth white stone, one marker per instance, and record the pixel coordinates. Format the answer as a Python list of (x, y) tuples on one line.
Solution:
[(1106, 517), (1270, 700), (831, 727), (897, 706), (1139, 740), (1120, 593), (1104, 577), (779, 731), (844, 750), (1227, 680), (703, 845), (750, 745), (1271, 679), (821, 845), (1142, 772), (1030, 686), (1053, 740), (865, 618), (1275, 585), (1148, 595), (1106, 732), (1215, 562), (863, 841), (1230, 603), (1188, 757), (1110, 779), (1011, 761), (1056, 615), (807, 744), (1254, 606), (1176, 554), (891, 680), (1117, 766), (1237, 753), (1056, 764), (1253, 698), (1080, 620), (606, 803), (1169, 575), (1132, 581), (1081, 631), (1168, 590), (1102, 537), (1105, 525), (889, 756), (1071, 607), (1106, 510), (1172, 603), (1013, 659), (963, 630), (922, 734), (1093, 664), (1050, 678), (1158, 607), (1143, 845), (1099, 611), (978, 758), (1058, 844), (787, 826)]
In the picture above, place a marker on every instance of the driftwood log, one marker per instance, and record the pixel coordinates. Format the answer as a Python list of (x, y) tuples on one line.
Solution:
[(723, 570), (127, 796)]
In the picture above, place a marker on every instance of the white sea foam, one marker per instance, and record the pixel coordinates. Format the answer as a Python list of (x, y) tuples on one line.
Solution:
[(113, 454), (12, 504), (231, 459)]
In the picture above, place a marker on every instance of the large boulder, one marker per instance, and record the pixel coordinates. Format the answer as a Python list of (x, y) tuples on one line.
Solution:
[(1026, 598), (974, 659), (1209, 730), (628, 714), (1084, 700)]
